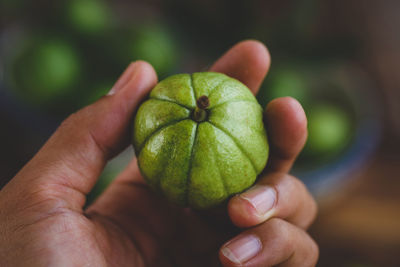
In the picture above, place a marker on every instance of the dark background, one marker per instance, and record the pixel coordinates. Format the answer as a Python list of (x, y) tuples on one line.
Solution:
[(340, 59)]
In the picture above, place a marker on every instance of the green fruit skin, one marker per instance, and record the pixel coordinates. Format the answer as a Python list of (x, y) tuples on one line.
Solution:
[(200, 164)]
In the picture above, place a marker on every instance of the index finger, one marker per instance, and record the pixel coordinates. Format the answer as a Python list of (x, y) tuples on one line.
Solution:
[(247, 61)]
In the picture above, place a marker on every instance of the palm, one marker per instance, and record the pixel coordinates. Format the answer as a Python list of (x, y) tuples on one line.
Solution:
[(162, 234)]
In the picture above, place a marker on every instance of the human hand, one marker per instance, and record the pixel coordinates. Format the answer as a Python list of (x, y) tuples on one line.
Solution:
[(43, 221)]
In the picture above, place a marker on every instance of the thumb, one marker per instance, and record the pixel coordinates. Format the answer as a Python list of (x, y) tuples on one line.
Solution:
[(68, 165)]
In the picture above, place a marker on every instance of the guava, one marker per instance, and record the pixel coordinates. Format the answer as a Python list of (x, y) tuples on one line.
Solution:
[(329, 130), (288, 83), (155, 44), (200, 138), (89, 16), (46, 71)]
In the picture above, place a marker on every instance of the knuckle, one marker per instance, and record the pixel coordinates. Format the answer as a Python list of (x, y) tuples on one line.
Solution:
[(280, 235), (313, 211), (277, 225), (297, 183), (296, 247), (308, 213), (313, 253), (281, 231), (309, 206), (295, 202)]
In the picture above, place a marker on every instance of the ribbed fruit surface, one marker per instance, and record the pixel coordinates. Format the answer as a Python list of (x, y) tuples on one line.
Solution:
[(200, 163)]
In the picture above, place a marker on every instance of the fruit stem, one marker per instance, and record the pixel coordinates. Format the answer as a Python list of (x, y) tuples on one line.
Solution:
[(200, 113)]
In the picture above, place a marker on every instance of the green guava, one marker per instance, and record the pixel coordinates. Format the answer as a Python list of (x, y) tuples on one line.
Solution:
[(155, 44), (46, 71), (200, 138), (89, 16), (288, 83), (329, 130)]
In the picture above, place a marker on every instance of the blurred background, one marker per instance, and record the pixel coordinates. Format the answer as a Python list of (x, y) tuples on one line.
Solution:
[(340, 59)]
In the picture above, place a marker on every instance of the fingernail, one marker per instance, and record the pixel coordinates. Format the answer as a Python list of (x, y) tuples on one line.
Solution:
[(262, 198), (242, 249), (112, 91), (123, 79)]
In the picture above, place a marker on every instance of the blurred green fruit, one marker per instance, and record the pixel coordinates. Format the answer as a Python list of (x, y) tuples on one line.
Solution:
[(200, 138), (88, 16), (282, 82), (288, 83), (46, 71), (156, 45), (329, 130)]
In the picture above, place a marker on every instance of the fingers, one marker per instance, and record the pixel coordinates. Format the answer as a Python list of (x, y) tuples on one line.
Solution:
[(278, 194), (275, 195), (247, 61), (286, 125), (274, 243), (75, 155)]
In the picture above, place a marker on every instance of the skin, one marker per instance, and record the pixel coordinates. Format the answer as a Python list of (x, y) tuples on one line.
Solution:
[(43, 222)]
